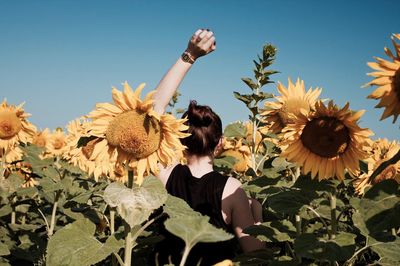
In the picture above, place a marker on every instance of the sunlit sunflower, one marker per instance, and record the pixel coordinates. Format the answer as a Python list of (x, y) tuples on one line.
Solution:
[(57, 143), (80, 154), (13, 154), (387, 78), (382, 150), (41, 138), (242, 154), (291, 100), (133, 132), (14, 128), (327, 141)]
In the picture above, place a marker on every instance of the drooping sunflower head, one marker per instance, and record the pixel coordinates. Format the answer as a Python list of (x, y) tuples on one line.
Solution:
[(326, 142), (134, 133), (14, 127), (57, 143), (241, 153), (41, 138), (387, 78), (382, 150), (288, 104)]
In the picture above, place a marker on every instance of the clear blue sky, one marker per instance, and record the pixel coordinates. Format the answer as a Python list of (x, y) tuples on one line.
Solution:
[(62, 57)]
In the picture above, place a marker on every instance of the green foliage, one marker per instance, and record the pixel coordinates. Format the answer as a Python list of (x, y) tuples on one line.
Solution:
[(75, 244), (193, 229), (135, 205)]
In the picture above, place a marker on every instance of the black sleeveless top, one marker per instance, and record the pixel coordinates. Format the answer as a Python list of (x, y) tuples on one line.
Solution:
[(203, 195)]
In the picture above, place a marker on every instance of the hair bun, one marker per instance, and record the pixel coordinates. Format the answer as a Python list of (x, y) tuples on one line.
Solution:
[(198, 116)]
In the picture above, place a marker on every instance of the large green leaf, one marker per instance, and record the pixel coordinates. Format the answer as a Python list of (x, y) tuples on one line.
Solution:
[(339, 249), (235, 130), (195, 229), (177, 207), (4, 251), (135, 205), (275, 231), (388, 251), (378, 210), (75, 244), (290, 201)]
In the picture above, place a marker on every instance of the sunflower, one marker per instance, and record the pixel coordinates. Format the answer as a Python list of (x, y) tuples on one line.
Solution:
[(80, 155), (14, 128), (327, 141), (382, 150), (13, 154), (292, 99), (242, 154), (387, 78), (41, 138), (57, 143), (134, 133)]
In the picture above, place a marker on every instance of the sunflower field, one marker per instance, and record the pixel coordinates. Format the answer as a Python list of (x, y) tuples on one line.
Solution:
[(87, 195)]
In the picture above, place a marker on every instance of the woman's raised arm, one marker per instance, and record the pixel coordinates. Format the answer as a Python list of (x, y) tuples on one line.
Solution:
[(201, 43)]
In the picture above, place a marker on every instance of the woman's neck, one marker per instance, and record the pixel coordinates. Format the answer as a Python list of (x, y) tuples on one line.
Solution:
[(199, 165)]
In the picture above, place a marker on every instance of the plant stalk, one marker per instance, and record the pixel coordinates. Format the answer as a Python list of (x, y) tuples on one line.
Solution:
[(53, 214), (128, 248), (112, 220), (333, 214), (185, 255), (298, 224)]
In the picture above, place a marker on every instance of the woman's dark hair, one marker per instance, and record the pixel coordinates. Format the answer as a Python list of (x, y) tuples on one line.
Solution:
[(205, 128)]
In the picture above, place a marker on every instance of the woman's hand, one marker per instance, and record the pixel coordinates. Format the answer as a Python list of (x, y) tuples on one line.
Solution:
[(201, 43)]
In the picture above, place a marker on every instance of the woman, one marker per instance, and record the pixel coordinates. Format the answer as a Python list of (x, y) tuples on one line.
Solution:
[(205, 190)]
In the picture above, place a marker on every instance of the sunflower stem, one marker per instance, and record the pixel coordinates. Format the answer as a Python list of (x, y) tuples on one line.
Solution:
[(53, 214), (130, 178), (13, 213), (298, 224), (333, 214), (112, 220), (185, 255), (128, 246)]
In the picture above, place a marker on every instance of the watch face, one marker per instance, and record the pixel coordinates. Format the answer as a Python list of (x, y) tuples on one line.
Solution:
[(187, 59)]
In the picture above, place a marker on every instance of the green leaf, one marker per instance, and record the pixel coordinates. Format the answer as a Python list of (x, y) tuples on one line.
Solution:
[(75, 244), (388, 251), (243, 97), (250, 83), (235, 130), (11, 184), (275, 231), (195, 229), (5, 210), (280, 163), (339, 249), (225, 162), (4, 251), (135, 205), (290, 201), (48, 185), (306, 183), (177, 207)]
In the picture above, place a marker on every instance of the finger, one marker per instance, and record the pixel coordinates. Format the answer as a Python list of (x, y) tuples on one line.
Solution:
[(210, 42), (207, 37), (198, 32), (203, 34)]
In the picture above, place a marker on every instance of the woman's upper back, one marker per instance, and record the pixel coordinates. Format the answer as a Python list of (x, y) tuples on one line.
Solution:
[(203, 194)]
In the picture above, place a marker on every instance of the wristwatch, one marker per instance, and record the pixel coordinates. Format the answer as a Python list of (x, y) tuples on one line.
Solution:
[(187, 57)]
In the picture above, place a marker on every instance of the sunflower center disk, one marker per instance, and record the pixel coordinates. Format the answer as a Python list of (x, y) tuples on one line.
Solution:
[(88, 149), (10, 124), (135, 133), (39, 141), (326, 137), (292, 106)]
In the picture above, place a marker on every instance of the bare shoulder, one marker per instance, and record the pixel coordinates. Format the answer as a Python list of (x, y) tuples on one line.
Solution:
[(165, 172), (232, 185)]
